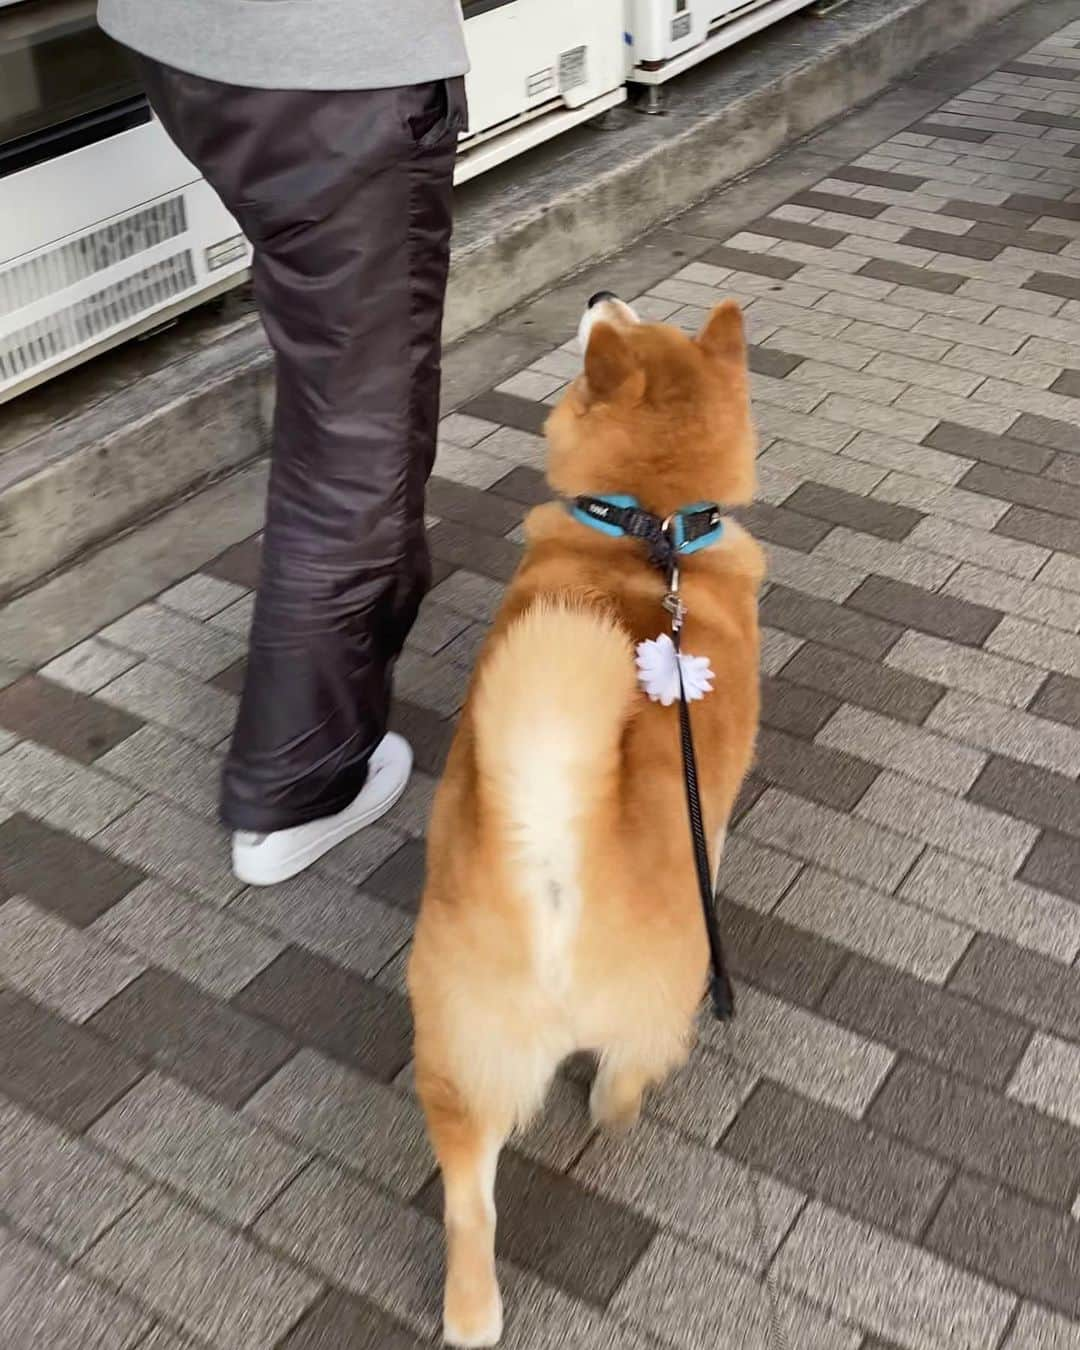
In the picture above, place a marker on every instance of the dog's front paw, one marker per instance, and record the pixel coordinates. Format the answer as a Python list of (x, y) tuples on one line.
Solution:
[(475, 1320)]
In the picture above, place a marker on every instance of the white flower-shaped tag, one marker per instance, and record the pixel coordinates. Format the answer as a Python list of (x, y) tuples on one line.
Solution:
[(658, 673)]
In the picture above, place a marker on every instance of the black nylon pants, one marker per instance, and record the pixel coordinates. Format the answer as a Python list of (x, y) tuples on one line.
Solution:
[(345, 197)]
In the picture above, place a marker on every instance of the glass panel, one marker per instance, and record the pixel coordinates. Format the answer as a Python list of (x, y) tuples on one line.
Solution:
[(56, 65)]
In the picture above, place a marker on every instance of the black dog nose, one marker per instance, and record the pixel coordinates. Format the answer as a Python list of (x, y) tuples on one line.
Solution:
[(600, 297)]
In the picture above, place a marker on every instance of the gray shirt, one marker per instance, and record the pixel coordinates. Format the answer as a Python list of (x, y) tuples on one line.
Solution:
[(296, 44)]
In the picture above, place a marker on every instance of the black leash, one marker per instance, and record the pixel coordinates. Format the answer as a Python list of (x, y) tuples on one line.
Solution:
[(721, 991)]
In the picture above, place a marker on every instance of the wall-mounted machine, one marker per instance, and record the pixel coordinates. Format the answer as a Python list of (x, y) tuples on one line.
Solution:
[(105, 229), (539, 67), (667, 37)]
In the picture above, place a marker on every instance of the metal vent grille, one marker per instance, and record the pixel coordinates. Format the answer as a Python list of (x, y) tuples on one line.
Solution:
[(573, 69), (47, 339), (80, 258)]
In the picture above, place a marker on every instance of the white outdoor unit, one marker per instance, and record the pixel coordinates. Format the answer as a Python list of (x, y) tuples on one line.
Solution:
[(539, 67), (106, 230), (667, 37)]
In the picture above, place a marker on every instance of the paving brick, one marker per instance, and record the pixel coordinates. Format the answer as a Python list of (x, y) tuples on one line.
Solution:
[(328, 917), (1059, 700), (754, 876), (198, 1147), (550, 1224), (869, 417), (981, 1132), (890, 1286), (336, 1321), (852, 510), (400, 880), (508, 410), (175, 640), (823, 1152), (175, 846), (948, 503), (958, 667), (832, 470), (156, 761), (1047, 1078), (1010, 1240), (700, 1099), (776, 650), (691, 1190), (904, 457), (777, 957), (903, 562), (56, 1187), (854, 848), (1041, 528), (876, 926), (1005, 731), (86, 668), (1023, 914), (458, 464), (817, 772), (812, 575), (355, 1119), (767, 360), (213, 1283), (200, 595), (904, 274), (906, 749), (429, 734), (806, 1052), (61, 791), (348, 1230), (193, 940), (60, 966), (1037, 1329), (59, 1070), (777, 525), (979, 547), (932, 1024), (902, 341), (789, 707), (435, 628), (1025, 489), (321, 1005), (205, 1043), (743, 260), (460, 545), (59, 872), (885, 690), (176, 701), (974, 832), (1031, 599), (1062, 570), (238, 564), (936, 614), (1047, 799), (46, 1304), (72, 724), (688, 1299)]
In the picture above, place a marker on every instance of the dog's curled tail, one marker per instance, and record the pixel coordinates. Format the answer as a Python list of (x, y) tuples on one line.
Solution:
[(551, 706)]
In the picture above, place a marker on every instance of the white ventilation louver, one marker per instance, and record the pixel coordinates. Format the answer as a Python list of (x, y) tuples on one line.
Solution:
[(77, 259), (116, 306)]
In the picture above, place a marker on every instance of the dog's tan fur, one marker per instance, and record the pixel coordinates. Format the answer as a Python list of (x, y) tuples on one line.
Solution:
[(561, 910)]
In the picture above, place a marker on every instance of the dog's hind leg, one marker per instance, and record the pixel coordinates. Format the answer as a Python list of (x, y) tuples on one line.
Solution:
[(467, 1148), (615, 1099)]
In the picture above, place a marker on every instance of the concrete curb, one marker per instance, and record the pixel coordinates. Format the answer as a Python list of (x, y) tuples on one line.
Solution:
[(204, 414)]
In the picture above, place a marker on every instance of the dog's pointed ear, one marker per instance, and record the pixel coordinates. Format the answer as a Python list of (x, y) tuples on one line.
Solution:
[(609, 362), (723, 337)]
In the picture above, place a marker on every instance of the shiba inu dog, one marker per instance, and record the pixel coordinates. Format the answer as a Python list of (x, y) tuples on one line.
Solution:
[(561, 910)]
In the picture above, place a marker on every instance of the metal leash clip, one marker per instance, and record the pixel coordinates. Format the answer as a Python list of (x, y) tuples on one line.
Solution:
[(672, 601)]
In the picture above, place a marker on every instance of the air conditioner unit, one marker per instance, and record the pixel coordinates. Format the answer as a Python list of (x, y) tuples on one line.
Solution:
[(106, 230), (539, 67), (667, 37)]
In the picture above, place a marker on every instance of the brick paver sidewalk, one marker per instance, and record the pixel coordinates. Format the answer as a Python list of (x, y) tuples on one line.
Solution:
[(207, 1136)]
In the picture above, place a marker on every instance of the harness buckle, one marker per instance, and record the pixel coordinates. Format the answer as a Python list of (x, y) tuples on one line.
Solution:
[(672, 601)]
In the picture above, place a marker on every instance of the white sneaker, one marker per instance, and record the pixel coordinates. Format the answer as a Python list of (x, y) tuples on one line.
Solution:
[(266, 859)]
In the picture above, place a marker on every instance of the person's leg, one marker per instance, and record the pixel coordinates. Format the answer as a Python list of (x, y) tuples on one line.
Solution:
[(346, 199)]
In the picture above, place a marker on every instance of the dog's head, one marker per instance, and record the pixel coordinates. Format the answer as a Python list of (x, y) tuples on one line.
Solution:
[(656, 413)]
